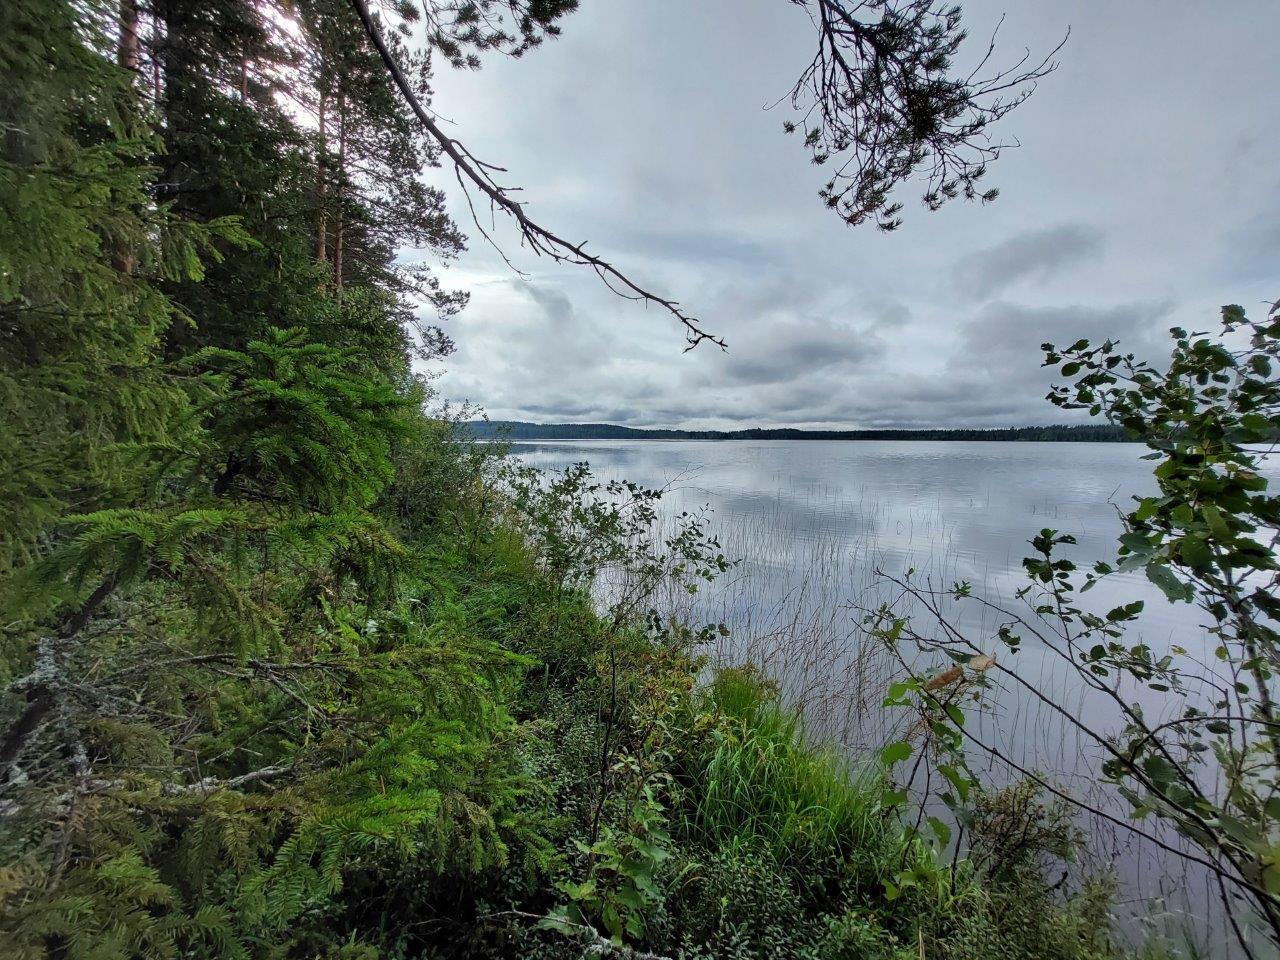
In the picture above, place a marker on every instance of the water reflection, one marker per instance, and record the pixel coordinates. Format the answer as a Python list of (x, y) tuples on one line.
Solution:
[(953, 509)]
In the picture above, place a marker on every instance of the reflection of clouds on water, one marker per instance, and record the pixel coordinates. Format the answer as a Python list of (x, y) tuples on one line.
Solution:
[(813, 521)]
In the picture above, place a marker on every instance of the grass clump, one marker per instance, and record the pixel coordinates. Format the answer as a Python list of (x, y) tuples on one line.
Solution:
[(754, 781)]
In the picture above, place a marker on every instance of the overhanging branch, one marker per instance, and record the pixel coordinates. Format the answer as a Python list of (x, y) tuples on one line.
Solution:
[(541, 240)]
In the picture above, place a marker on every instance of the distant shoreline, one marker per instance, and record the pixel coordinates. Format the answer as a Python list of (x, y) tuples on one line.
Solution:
[(1060, 433)]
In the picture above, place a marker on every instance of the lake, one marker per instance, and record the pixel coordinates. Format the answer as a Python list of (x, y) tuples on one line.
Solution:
[(813, 521)]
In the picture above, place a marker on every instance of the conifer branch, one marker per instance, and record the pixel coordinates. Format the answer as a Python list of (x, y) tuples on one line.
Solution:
[(213, 784), (85, 784)]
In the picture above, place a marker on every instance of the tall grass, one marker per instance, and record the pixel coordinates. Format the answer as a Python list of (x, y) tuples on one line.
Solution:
[(761, 784)]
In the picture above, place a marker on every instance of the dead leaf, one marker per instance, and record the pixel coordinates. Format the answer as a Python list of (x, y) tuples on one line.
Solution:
[(945, 678), (983, 662)]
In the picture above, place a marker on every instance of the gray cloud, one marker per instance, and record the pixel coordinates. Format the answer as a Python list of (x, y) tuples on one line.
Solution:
[(1252, 251), (1035, 254), (778, 352), (667, 164), (1007, 336), (790, 368)]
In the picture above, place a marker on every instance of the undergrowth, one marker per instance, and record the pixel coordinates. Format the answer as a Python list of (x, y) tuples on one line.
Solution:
[(512, 770)]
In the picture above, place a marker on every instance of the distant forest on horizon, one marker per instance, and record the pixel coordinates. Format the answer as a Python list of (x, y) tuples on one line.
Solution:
[(523, 430)]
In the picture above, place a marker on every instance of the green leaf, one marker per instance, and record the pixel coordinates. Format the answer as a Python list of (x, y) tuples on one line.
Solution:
[(889, 799), (940, 830), (1147, 509), (1214, 521), (1136, 542), (1168, 582), (1160, 770), (897, 691), (895, 752), (564, 919), (1195, 552), (960, 781)]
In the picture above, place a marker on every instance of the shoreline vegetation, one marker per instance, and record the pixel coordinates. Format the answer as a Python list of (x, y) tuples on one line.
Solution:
[(294, 668), (1057, 433)]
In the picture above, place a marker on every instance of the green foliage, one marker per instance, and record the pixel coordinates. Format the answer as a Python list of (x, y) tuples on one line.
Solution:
[(737, 903), (1207, 761), (234, 687), (620, 888), (291, 667), (82, 255), (585, 529), (294, 421), (1207, 538), (1013, 828)]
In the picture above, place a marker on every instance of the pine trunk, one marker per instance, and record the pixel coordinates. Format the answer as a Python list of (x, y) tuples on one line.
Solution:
[(321, 184), (342, 173), (122, 258), (127, 52)]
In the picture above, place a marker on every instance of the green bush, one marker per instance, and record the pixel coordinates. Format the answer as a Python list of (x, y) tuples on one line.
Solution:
[(737, 903)]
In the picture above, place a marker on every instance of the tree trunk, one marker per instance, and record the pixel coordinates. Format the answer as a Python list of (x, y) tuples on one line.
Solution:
[(45, 686), (342, 174), (122, 257), (127, 52), (321, 185), (157, 40)]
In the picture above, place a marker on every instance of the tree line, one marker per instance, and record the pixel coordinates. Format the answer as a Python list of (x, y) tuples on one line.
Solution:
[(522, 430)]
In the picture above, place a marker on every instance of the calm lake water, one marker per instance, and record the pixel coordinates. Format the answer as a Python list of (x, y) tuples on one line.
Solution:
[(813, 522)]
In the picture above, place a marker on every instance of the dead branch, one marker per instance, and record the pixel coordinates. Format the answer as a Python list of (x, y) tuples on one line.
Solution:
[(538, 238)]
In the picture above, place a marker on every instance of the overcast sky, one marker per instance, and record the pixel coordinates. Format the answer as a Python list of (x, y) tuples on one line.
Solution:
[(1146, 193)]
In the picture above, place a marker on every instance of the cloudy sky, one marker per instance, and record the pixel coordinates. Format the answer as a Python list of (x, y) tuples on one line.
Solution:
[(1146, 193)]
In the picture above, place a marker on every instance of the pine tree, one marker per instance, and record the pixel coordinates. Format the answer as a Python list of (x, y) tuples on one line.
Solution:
[(203, 730), (82, 254)]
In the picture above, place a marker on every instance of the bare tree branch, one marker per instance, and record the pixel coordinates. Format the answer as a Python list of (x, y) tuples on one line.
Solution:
[(542, 241)]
